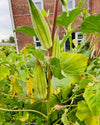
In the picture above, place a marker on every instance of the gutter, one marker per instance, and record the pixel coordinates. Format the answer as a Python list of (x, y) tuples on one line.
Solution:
[(13, 26)]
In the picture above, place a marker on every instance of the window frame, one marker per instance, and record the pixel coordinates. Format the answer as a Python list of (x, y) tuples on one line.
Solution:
[(69, 9), (36, 1), (76, 37)]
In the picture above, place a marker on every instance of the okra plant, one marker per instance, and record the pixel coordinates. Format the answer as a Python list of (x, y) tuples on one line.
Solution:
[(57, 88)]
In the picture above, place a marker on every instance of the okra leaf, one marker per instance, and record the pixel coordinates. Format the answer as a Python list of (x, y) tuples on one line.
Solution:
[(16, 87), (84, 114), (27, 30), (56, 68), (23, 74), (73, 64), (64, 20), (91, 24), (4, 72), (92, 96)]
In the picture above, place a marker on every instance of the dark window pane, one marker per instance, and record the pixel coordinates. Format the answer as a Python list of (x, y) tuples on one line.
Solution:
[(37, 39), (38, 44), (80, 36), (67, 44)]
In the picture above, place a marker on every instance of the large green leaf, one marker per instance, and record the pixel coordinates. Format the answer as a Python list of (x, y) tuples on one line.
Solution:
[(26, 29), (91, 24), (64, 84), (73, 64), (84, 114), (56, 68), (39, 54), (92, 96), (64, 20)]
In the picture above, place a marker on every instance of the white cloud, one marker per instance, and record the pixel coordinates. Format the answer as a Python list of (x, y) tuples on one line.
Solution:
[(5, 21)]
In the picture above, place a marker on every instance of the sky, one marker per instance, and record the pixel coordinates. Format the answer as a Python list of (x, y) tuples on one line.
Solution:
[(5, 21)]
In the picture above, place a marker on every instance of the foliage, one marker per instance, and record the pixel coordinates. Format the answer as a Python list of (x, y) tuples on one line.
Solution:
[(10, 40), (89, 25), (62, 88)]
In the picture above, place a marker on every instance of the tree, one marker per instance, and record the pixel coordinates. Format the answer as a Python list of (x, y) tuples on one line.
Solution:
[(10, 40)]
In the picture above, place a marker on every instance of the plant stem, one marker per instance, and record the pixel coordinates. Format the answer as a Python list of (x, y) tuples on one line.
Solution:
[(70, 40), (25, 97), (48, 94), (54, 25), (66, 115), (72, 97), (23, 110), (50, 55)]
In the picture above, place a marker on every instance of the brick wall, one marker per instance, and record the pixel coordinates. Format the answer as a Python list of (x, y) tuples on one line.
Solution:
[(22, 16), (95, 8)]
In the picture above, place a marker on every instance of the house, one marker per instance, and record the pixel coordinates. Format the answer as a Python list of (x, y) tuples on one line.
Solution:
[(21, 16)]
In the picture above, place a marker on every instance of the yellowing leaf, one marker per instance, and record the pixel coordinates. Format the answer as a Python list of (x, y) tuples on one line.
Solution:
[(26, 117), (93, 121), (25, 50), (1, 104), (15, 87), (4, 72), (75, 42), (13, 80), (84, 114), (29, 89), (22, 119), (56, 92)]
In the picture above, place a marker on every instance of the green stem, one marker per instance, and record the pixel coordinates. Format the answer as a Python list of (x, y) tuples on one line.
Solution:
[(84, 41), (25, 97), (66, 115), (50, 55), (72, 97), (69, 28), (70, 40), (23, 110), (48, 94)]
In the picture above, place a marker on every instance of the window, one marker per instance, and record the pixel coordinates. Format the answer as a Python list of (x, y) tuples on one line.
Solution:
[(39, 4), (78, 36), (70, 5)]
